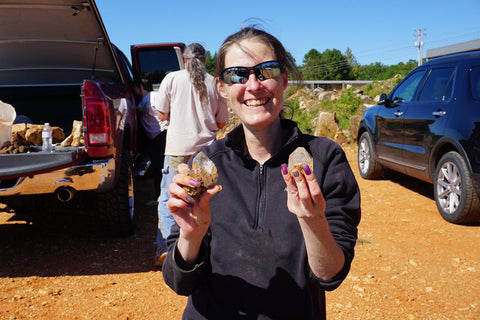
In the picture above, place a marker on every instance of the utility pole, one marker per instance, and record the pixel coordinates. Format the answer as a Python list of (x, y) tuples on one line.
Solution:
[(419, 33)]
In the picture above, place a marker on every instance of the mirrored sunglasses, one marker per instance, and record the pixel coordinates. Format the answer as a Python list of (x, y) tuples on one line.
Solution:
[(263, 71)]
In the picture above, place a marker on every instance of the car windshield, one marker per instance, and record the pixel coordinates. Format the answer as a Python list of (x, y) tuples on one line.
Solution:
[(158, 62)]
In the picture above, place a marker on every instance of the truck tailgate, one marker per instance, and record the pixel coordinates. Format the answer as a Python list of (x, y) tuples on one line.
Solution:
[(19, 165)]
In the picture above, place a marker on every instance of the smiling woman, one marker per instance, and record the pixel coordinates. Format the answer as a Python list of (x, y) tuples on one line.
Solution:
[(267, 253)]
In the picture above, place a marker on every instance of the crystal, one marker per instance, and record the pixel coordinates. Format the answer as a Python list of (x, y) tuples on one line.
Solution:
[(203, 170), (298, 158)]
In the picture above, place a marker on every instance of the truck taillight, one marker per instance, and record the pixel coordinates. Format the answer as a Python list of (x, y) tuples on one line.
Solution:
[(97, 123)]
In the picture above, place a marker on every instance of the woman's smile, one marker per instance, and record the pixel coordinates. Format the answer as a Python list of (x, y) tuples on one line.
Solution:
[(253, 103)]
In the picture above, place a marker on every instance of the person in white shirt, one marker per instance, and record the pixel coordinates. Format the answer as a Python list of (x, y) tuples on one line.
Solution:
[(190, 101)]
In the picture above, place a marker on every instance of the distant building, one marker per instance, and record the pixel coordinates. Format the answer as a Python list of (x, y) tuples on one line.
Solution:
[(454, 48), (332, 84)]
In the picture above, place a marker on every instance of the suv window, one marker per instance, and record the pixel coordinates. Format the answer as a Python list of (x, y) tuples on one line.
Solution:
[(149, 62), (406, 90), (475, 82), (438, 86)]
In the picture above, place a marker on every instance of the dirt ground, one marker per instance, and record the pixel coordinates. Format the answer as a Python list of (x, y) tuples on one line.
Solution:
[(410, 263)]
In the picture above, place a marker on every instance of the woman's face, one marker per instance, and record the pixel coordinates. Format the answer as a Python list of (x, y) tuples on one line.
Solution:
[(256, 103)]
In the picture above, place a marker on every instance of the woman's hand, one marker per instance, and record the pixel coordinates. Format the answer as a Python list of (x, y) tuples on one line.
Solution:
[(191, 215), (306, 201), (304, 196)]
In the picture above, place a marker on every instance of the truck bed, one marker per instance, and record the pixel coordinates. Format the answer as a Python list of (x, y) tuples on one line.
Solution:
[(58, 105)]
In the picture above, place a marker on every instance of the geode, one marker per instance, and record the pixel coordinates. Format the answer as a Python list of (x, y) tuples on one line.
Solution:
[(298, 158), (203, 170)]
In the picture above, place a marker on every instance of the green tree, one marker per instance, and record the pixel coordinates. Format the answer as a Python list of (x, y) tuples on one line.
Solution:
[(379, 71), (372, 71), (311, 62), (210, 63), (400, 68), (352, 62), (328, 65)]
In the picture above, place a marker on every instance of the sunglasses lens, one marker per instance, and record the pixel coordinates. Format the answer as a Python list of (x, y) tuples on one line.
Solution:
[(235, 75), (268, 70)]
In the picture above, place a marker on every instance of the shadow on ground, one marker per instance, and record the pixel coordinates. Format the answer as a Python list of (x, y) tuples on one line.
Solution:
[(421, 187), (66, 240)]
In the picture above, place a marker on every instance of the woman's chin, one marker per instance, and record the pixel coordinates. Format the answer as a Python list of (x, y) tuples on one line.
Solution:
[(259, 120)]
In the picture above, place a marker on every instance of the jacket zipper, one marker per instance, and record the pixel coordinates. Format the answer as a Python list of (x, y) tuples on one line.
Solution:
[(260, 210), (261, 198)]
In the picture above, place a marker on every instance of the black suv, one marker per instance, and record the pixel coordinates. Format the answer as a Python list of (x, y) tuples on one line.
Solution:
[(428, 127)]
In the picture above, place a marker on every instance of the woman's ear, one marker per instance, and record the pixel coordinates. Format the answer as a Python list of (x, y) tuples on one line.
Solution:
[(285, 79), (222, 88)]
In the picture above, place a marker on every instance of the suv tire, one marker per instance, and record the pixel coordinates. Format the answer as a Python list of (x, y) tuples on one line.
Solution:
[(453, 190), (116, 207), (368, 165)]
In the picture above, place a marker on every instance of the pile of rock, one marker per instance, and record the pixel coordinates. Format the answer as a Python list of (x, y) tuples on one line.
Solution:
[(26, 135)]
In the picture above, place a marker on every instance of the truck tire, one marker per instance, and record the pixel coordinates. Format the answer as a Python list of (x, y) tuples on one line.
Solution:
[(453, 190), (116, 207), (368, 165)]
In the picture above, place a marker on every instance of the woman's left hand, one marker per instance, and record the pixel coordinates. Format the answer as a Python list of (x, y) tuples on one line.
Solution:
[(306, 201), (304, 196)]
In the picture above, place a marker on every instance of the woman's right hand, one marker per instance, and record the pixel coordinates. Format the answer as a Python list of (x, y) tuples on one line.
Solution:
[(191, 215)]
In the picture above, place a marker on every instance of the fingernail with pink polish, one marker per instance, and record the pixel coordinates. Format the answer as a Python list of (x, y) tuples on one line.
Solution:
[(306, 169), (284, 169), (190, 205), (195, 183)]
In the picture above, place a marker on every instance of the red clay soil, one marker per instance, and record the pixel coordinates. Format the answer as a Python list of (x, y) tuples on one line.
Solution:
[(410, 263)]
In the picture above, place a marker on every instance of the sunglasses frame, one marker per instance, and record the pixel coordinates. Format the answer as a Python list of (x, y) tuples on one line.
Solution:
[(257, 70)]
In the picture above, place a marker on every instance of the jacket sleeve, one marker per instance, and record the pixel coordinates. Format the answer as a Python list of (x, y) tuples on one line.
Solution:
[(183, 281), (343, 211)]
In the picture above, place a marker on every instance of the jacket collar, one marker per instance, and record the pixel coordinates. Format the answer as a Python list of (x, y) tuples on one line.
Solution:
[(236, 138)]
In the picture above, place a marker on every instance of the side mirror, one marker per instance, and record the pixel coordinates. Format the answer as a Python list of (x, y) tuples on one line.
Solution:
[(383, 100)]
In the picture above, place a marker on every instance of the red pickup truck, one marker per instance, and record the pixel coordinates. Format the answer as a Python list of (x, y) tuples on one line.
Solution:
[(58, 65)]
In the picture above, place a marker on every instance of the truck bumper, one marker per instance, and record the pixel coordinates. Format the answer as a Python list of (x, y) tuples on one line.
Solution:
[(98, 176)]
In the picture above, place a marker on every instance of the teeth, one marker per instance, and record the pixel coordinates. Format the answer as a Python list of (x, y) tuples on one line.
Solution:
[(256, 102)]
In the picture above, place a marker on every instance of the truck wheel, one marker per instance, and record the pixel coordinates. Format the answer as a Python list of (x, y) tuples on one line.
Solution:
[(453, 190), (368, 165), (116, 207)]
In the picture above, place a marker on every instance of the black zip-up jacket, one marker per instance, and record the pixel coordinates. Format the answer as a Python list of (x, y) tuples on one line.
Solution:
[(253, 261)]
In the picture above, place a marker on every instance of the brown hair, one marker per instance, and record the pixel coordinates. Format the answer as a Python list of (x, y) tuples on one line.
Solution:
[(281, 55), (196, 56)]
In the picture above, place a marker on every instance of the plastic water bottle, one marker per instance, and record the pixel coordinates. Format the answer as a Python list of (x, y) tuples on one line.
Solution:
[(47, 145)]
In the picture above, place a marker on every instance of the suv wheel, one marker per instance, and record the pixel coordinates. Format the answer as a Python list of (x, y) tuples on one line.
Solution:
[(367, 163), (453, 190)]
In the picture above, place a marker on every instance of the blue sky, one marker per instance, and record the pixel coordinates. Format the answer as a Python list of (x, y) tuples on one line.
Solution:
[(374, 30)]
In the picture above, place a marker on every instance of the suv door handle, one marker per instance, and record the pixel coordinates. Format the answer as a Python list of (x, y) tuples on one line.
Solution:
[(439, 113), (398, 114)]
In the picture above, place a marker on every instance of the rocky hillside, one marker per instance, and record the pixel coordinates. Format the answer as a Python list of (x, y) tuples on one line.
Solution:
[(333, 114), (336, 114)]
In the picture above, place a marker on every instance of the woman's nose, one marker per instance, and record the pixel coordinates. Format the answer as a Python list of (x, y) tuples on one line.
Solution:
[(252, 82)]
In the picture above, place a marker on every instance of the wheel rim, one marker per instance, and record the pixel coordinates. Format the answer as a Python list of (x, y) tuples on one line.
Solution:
[(449, 187), (363, 156)]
